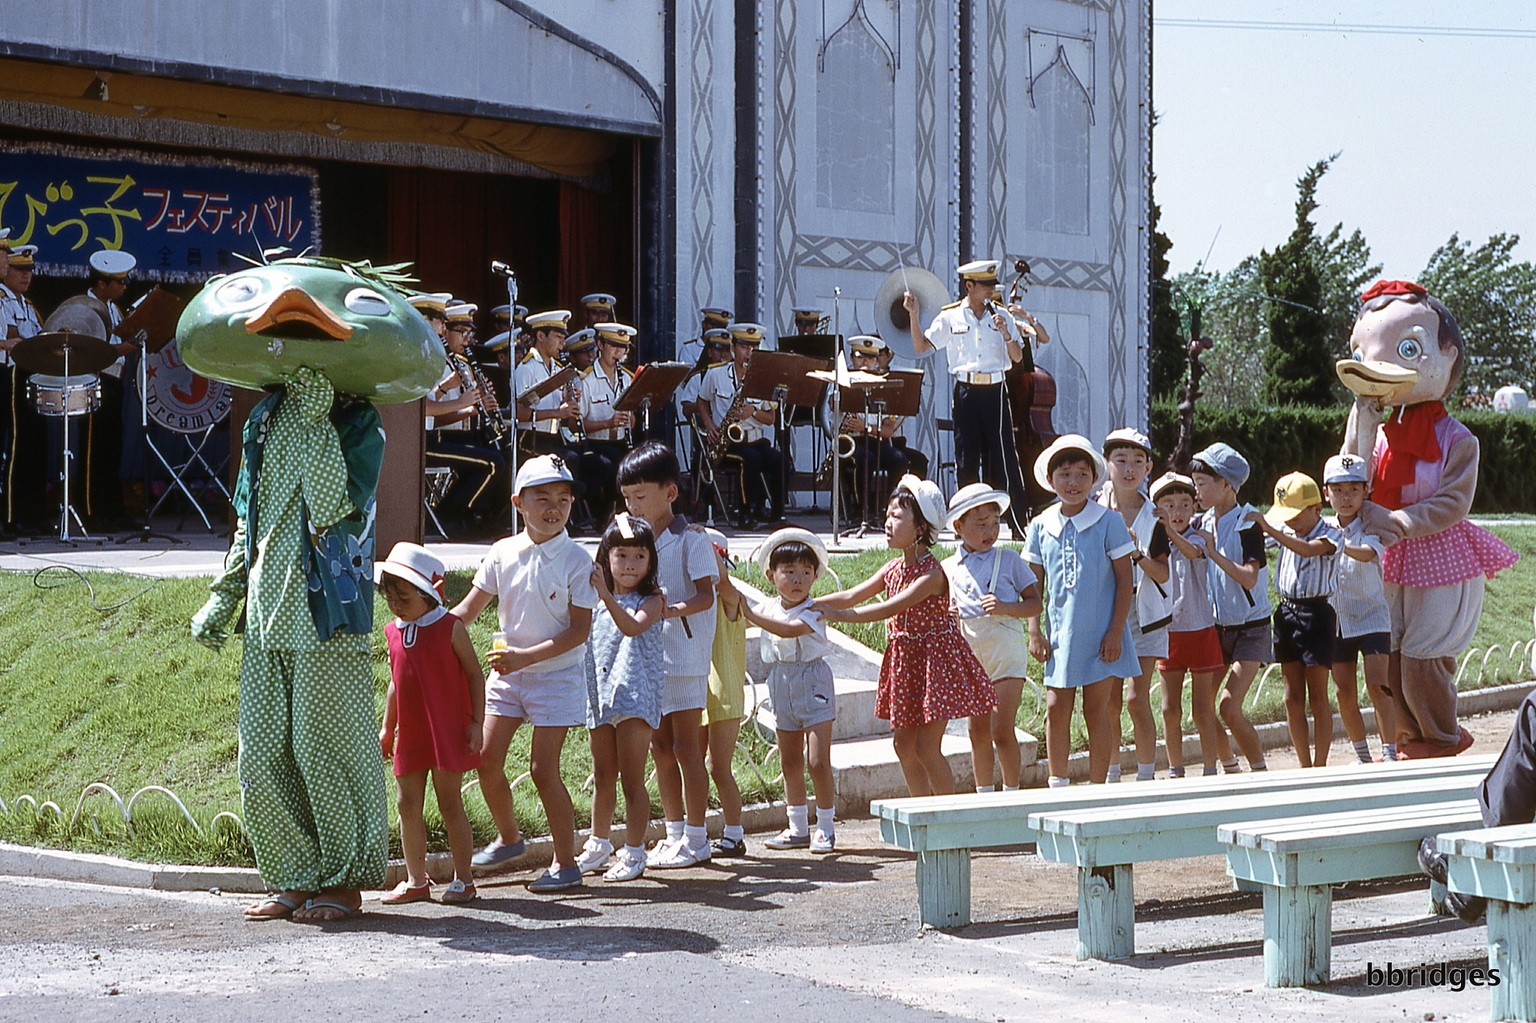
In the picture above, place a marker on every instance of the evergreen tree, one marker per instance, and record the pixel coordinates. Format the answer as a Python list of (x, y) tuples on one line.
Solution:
[(1298, 361), (1166, 355)]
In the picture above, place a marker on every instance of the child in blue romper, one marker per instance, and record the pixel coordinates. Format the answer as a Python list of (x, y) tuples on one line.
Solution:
[(1081, 555)]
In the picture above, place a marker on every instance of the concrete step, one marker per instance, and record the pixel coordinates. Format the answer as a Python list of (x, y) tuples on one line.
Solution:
[(865, 769)]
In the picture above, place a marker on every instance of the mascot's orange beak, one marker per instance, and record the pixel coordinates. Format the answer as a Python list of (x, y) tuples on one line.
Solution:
[(1372, 378), (301, 316)]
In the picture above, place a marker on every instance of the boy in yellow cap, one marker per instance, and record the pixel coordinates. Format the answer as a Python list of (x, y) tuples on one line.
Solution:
[(1305, 577)]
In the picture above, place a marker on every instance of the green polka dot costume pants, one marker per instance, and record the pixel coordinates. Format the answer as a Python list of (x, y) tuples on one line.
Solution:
[(311, 777)]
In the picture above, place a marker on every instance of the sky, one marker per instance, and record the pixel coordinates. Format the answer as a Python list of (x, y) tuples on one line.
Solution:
[(1435, 134)]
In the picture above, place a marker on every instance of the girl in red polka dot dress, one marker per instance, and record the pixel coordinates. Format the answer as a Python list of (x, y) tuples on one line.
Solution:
[(929, 673)]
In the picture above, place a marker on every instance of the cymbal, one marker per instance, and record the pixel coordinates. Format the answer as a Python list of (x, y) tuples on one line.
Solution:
[(45, 354)]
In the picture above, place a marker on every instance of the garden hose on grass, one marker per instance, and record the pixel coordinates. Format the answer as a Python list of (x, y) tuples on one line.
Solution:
[(37, 581)]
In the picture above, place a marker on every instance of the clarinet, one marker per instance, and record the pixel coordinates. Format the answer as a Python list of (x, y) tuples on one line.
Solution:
[(490, 411)]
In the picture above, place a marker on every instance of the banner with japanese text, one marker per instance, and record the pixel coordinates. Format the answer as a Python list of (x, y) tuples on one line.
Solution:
[(183, 218)]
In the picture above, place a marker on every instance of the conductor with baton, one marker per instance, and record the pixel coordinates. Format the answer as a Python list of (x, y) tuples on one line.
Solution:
[(982, 341)]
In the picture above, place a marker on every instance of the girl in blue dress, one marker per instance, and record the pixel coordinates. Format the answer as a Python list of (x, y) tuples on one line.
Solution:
[(625, 678), (1082, 556)]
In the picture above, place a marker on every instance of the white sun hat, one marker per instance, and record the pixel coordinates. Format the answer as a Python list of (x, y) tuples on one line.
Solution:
[(930, 500), (791, 534), (1068, 442), (416, 565), (974, 495)]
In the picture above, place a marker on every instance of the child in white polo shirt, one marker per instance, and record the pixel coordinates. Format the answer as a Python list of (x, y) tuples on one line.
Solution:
[(687, 571), (542, 582)]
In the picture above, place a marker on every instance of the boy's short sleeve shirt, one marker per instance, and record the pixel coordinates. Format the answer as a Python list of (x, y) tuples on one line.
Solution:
[(970, 573), (682, 557), (536, 585), (1360, 601), (797, 649)]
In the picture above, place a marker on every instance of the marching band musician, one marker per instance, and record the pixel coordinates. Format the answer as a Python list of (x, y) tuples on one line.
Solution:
[(114, 421), (880, 365), (539, 425), (505, 323), (599, 308), (982, 342), (807, 319), (480, 485), (608, 432), (580, 350), (26, 445), (431, 306), (761, 462), (693, 352), (873, 445)]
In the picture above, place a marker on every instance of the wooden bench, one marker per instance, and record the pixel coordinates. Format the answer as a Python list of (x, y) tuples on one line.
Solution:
[(943, 830), (1105, 842), (1297, 860), (1500, 865)]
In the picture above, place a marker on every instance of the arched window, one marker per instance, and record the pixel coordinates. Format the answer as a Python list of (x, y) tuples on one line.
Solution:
[(856, 119), (1056, 153)]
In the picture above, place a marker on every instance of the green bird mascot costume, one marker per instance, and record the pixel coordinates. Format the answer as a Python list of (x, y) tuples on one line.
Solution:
[(327, 339)]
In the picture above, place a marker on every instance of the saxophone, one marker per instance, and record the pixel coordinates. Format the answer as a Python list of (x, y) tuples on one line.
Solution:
[(731, 431), (486, 404), (842, 446)]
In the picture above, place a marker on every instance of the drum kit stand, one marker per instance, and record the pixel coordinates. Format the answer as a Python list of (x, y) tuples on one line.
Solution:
[(66, 363)]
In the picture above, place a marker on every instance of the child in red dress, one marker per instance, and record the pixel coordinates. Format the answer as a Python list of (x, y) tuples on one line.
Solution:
[(434, 716), (929, 673)]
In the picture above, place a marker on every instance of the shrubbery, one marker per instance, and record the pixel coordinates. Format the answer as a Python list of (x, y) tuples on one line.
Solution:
[(1292, 437)]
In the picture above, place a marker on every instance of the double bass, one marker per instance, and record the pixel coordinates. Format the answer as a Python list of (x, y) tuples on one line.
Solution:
[(1031, 395)]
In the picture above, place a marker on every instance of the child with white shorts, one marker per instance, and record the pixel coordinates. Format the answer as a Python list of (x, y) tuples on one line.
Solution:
[(541, 580)]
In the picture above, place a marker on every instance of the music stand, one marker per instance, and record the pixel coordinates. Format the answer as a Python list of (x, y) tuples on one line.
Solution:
[(817, 346), (783, 377), (899, 397), (151, 324), (653, 385)]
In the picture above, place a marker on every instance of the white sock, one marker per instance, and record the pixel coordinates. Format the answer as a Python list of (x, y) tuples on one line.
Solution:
[(1211, 771), (674, 830), (986, 788), (824, 820), (1389, 751), (1058, 783), (1114, 773), (634, 852), (1176, 772), (1010, 788), (1363, 751), (1230, 766), (798, 820), (1258, 765), (735, 832), (1146, 772), (696, 837)]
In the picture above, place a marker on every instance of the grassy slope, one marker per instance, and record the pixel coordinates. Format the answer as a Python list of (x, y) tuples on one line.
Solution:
[(126, 697)]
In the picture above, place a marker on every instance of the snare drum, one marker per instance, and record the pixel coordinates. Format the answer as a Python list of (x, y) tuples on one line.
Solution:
[(65, 396)]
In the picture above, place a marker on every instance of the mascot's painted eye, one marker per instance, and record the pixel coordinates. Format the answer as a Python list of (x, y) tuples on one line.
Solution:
[(1409, 349), (1357, 356), (367, 302), (240, 291)]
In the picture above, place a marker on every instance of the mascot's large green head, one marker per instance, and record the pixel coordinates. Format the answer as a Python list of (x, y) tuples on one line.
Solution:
[(346, 321)]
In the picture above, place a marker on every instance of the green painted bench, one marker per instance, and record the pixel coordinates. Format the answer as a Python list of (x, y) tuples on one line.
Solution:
[(1105, 842), (942, 830), (1297, 860), (1500, 865)]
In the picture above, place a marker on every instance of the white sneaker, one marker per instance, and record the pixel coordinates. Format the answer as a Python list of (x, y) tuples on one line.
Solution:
[(823, 843), (594, 855), (625, 867), (677, 855)]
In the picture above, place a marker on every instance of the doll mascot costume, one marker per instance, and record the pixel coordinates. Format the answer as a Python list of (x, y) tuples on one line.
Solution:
[(1407, 358), (326, 339)]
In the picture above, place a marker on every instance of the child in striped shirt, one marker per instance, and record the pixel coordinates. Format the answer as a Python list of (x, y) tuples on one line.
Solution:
[(1305, 577)]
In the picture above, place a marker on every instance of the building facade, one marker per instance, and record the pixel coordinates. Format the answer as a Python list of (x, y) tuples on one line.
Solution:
[(759, 154)]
